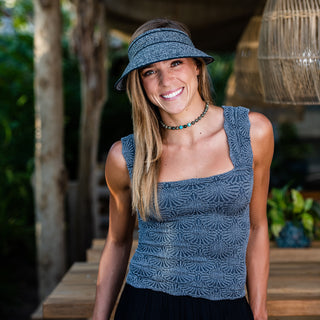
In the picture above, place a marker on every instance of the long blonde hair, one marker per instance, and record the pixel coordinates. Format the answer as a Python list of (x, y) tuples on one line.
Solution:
[(147, 134)]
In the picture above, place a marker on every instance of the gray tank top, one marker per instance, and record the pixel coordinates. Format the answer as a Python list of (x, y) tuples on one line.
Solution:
[(199, 247)]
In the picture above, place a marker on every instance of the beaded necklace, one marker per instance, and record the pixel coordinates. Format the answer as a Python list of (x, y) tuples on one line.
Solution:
[(189, 124)]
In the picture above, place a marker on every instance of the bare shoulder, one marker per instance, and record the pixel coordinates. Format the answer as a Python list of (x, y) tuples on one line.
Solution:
[(261, 134), (115, 156), (116, 172), (261, 127)]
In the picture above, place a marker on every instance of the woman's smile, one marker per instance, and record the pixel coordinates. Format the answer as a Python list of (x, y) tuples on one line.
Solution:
[(172, 94)]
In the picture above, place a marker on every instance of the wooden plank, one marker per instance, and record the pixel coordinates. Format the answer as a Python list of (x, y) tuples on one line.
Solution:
[(314, 244), (80, 277), (294, 269), (295, 255), (308, 307), (293, 290), (294, 318), (292, 286), (93, 255), (70, 301), (81, 272), (314, 194), (83, 267), (74, 296), (98, 243)]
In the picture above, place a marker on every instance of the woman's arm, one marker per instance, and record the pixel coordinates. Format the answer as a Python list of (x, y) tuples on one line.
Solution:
[(115, 255), (258, 247)]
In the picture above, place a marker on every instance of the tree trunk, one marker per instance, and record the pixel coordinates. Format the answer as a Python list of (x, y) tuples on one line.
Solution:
[(50, 174), (90, 45)]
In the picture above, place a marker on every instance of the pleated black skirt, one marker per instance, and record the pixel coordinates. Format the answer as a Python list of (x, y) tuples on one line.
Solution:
[(145, 304)]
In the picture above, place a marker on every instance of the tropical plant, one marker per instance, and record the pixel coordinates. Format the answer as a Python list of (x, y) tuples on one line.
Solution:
[(288, 205)]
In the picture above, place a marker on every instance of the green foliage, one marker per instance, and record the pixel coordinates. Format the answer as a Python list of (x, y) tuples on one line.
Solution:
[(17, 243), (220, 70), (289, 205), (16, 142), (17, 236), (2, 9), (22, 14)]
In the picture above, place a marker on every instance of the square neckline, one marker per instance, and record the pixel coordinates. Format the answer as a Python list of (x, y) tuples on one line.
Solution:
[(211, 177)]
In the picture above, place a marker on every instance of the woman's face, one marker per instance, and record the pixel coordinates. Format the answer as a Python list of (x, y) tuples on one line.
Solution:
[(172, 85)]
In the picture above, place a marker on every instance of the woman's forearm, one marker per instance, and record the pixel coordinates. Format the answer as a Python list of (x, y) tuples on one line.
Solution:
[(258, 271), (112, 270)]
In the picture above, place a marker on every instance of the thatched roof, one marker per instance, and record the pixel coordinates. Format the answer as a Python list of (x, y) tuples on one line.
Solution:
[(215, 24)]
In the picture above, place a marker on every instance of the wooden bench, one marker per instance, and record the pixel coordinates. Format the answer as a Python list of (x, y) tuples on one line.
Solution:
[(293, 290), (311, 254)]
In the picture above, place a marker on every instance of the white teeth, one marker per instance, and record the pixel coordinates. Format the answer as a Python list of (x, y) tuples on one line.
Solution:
[(173, 94)]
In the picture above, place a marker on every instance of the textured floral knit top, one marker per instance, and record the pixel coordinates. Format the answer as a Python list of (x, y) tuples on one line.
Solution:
[(199, 247)]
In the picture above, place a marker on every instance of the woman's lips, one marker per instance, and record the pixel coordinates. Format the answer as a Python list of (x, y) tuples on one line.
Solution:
[(172, 94)]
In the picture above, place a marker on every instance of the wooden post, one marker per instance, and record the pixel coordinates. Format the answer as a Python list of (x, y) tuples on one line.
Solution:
[(50, 177), (90, 45)]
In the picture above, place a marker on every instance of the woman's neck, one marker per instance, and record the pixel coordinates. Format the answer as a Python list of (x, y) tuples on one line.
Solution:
[(193, 134)]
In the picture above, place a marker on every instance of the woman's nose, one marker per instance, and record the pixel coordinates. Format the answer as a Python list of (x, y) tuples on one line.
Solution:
[(165, 77)]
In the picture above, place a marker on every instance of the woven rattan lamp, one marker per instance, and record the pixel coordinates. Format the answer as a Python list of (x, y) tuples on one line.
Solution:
[(277, 113), (246, 70), (289, 51), (244, 85)]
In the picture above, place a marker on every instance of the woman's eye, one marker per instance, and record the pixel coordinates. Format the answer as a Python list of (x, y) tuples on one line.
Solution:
[(176, 63), (147, 73)]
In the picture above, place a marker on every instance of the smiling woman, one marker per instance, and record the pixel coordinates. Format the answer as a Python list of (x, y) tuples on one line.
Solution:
[(171, 85), (197, 178)]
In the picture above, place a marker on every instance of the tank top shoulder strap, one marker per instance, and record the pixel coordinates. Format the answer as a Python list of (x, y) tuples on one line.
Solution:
[(128, 151), (237, 127)]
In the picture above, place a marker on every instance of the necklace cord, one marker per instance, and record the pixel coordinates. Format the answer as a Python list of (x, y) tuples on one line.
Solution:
[(189, 124)]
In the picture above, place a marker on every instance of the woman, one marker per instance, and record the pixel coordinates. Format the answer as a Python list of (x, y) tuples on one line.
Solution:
[(198, 176)]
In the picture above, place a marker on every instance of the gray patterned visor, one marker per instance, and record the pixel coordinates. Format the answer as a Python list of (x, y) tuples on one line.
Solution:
[(158, 45)]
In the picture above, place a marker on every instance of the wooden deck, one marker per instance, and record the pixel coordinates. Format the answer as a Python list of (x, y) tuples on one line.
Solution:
[(293, 291)]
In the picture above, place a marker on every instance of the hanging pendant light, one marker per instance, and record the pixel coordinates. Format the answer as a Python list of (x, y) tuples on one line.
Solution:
[(277, 113), (289, 52), (246, 70), (244, 85)]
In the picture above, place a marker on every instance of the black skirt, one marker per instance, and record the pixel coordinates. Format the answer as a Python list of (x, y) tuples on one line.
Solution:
[(145, 304)]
